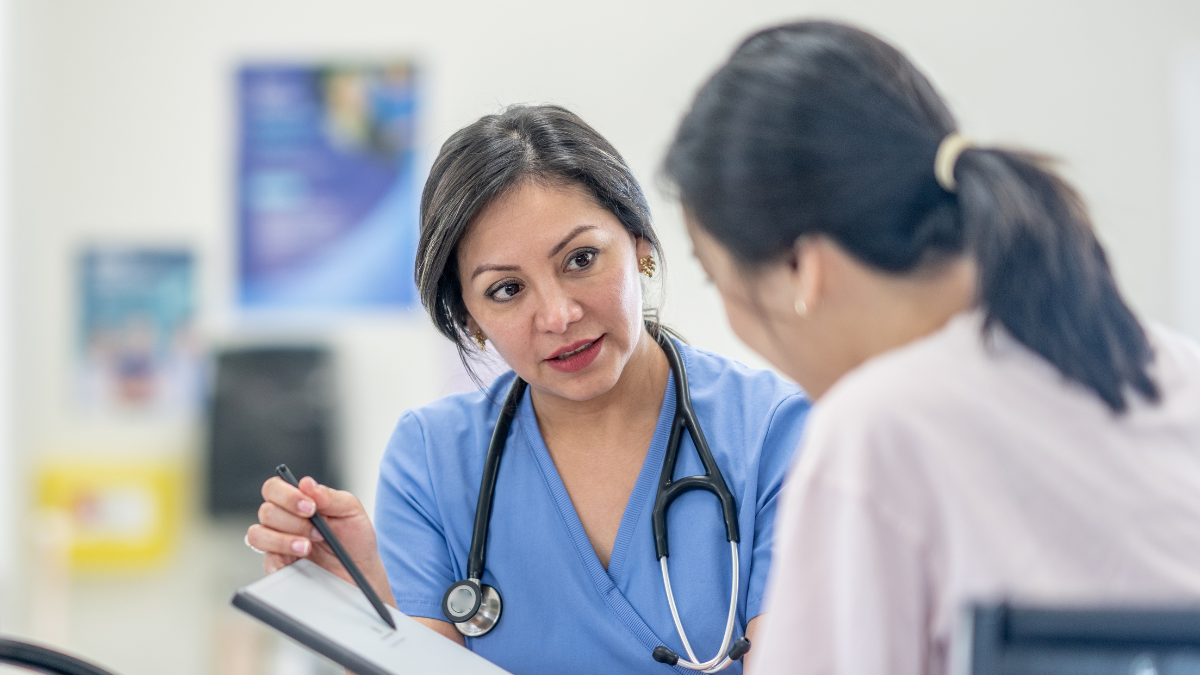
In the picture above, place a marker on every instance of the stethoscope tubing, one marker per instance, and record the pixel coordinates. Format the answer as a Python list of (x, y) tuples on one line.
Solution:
[(721, 660), (487, 486), (712, 481), (670, 489)]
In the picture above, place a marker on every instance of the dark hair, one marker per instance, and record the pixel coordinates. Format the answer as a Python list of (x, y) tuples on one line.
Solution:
[(820, 128), (491, 156)]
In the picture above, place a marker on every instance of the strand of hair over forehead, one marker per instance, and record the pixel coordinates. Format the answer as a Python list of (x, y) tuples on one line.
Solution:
[(438, 252)]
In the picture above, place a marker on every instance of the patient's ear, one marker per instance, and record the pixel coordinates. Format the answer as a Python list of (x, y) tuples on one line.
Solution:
[(809, 268)]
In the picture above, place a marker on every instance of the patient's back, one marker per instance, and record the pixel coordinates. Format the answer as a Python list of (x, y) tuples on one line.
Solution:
[(958, 469)]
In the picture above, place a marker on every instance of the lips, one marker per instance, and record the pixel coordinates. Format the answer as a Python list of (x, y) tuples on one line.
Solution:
[(576, 357), (561, 355)]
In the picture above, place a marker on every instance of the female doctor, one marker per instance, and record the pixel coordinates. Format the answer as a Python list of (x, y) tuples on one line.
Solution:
[(534, 239)]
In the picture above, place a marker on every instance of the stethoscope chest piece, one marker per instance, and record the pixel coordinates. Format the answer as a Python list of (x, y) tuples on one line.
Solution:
[(472, 607)]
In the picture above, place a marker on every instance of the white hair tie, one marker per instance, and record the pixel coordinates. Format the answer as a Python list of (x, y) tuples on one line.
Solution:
[(948, 152)]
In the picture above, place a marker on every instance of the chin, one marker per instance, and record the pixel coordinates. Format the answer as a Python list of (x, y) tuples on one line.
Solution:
[(593, 381), (587, 387)]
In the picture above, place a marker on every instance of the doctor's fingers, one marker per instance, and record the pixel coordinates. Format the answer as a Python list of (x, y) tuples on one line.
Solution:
[(271, 541), (277, 491), (279, 519), (331, 502)]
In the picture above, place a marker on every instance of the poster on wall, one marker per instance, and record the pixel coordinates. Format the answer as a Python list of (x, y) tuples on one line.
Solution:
[(138, 350), (328, 195)]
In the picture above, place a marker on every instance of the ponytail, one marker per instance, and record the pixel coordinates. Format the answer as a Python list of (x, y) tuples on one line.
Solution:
[(820, 128), (1044, 276)]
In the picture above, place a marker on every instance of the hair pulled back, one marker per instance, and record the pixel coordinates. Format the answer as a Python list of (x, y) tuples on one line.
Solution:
[(820, 128), (483, 161)]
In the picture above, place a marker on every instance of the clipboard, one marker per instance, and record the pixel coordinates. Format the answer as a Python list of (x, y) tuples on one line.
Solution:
[(332, 617)]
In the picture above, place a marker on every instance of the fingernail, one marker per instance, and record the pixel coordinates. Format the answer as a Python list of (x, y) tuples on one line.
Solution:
[(315, 535), (300, 547), (306, 507)]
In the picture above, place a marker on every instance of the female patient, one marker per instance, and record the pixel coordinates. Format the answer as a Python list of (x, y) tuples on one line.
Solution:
[(991, 419), (534, 238)]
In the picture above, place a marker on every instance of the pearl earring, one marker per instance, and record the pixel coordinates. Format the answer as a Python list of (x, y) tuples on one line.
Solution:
[(801, 308)]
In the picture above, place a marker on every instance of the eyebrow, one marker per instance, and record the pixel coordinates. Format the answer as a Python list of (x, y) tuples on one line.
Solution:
[(494, 268), (566, 240)]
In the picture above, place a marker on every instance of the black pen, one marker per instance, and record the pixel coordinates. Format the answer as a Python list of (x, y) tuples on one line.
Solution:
[(323, 527)]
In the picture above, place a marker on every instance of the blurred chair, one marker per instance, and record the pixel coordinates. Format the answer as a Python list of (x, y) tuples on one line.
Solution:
[(1008, 640), (270, 405), (44, 660)]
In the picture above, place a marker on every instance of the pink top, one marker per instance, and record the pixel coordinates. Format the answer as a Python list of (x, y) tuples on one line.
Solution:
[(948, 471)]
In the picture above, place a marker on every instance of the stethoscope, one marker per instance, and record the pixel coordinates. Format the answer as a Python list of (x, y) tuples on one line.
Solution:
[(474, 608)]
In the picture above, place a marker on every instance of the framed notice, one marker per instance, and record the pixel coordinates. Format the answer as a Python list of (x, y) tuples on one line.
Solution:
[(328, 195)]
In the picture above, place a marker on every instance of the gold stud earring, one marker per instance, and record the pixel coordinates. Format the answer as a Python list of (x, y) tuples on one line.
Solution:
[(646, 265), (801, 308), (481, 340)]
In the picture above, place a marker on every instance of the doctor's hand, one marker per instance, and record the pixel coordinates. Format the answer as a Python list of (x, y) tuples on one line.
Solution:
[(285, 534)]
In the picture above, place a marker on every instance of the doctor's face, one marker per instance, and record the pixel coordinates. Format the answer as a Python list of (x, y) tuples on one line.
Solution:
[(551, 279)]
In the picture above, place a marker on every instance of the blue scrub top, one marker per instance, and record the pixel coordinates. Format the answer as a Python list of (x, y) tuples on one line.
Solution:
[(563, 612)]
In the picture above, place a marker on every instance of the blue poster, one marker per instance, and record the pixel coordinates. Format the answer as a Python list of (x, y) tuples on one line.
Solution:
[(137, 340), (327, 187)]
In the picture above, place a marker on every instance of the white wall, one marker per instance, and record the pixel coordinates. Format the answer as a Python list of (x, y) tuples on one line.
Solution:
[(124, 128), (7, 480), (1186, 185)]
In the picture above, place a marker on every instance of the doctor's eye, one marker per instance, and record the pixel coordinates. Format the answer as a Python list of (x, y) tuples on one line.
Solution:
[(504, 291), (582, 258)]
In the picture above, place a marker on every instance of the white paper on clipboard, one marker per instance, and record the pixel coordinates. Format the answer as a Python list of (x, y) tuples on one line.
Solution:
[(332, 617)]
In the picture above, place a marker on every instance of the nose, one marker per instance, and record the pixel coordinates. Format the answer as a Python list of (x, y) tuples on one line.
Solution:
[(556, 311)]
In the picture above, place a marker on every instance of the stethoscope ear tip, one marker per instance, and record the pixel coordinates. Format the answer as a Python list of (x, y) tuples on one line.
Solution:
[(664, 655), (739, 648)]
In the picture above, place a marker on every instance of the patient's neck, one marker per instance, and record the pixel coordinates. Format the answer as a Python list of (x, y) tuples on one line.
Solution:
[(914, 305), (882, 311)]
